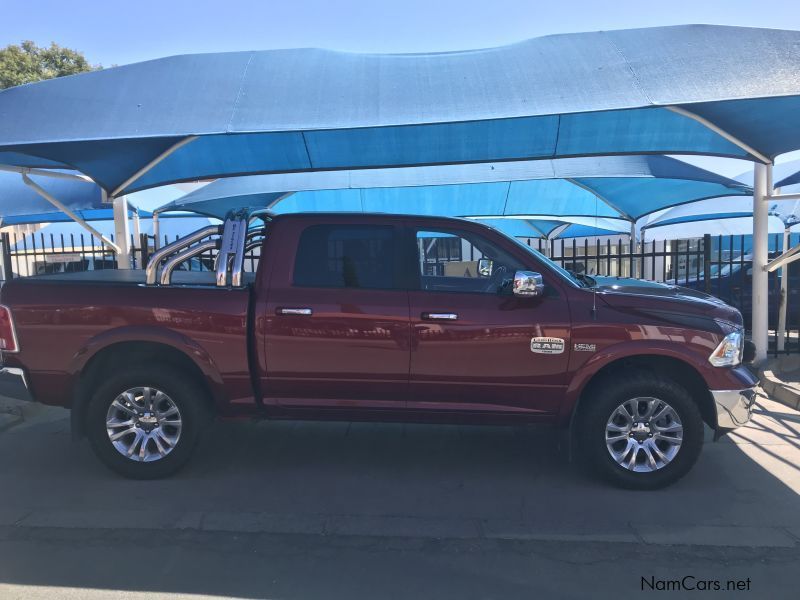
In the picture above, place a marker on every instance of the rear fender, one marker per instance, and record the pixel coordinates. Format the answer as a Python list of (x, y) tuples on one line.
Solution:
[(129, 334)]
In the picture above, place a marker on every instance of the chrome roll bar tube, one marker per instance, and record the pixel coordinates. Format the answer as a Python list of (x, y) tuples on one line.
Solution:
[(231, 251), (152, 265), (169, 266), (233, 242)]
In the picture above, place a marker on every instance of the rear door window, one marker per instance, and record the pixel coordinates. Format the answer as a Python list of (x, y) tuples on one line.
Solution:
[(347, 256)]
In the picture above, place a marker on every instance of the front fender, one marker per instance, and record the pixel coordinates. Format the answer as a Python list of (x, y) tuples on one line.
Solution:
[(621, 351)]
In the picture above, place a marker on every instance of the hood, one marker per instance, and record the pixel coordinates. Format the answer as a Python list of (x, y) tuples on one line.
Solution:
[(627, 285), (666, 301)]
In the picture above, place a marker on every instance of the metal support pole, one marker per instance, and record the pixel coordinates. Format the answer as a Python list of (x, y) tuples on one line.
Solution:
[(156, 231), (137, 239), (784, 292), (122, 232), (634, 249), (137, 230), (762, 176), (60, 206)]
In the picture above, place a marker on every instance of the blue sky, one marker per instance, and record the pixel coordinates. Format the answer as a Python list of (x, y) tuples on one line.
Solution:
[(111, 32), (121, 32)]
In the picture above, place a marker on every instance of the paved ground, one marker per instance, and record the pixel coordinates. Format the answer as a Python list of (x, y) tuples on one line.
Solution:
[(325, 510)]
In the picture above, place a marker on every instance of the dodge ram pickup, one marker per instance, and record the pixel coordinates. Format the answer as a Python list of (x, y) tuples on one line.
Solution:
[(375, 317)]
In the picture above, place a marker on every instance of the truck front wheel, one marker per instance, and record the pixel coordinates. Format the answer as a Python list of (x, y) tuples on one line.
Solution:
[(640, 430), (144, 422)]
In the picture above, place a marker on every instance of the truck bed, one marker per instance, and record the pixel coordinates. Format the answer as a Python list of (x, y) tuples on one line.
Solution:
[(63, 319), (131, 277)]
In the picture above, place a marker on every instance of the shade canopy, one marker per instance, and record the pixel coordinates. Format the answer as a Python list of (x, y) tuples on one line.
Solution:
[(783, 174), (557, 227), (787, 211), (213, 115), (626, 187), (21, 204), (787, 174)]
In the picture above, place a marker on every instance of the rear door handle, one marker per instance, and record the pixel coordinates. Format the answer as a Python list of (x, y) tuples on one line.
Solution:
[(293, 311), (436, 316)]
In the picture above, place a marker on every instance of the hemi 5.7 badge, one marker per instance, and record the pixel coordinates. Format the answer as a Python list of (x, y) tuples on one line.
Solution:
[(547, 345)]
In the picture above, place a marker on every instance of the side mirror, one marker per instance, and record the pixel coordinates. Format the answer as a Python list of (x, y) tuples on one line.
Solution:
[(485, 267), (528, 284)]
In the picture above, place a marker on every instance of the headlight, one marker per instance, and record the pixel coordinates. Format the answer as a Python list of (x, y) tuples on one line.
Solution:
[(729, 351)]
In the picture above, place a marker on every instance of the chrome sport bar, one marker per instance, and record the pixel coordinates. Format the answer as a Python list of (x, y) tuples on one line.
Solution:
[(231, 252), (152, 265), (169, 266), (232, 239)]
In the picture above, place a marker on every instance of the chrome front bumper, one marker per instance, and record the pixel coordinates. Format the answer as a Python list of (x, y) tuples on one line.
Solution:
[(733, 407), (14, 384)]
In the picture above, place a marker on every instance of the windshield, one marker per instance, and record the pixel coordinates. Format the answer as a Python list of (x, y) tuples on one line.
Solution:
[(570, 277)]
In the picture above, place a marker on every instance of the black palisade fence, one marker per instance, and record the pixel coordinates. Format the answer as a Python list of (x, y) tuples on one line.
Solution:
[(717, 265)]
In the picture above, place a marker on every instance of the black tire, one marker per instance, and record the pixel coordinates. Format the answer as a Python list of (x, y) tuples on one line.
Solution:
[(180, 387), (604, 398)]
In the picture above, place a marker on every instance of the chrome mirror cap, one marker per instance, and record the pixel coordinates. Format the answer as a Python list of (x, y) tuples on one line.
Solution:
[(528, 284)]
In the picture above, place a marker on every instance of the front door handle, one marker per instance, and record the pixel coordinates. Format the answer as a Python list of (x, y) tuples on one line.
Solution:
[(436, 316), (293, 311)]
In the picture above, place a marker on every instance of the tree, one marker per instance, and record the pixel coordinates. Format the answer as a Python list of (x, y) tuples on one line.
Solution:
[(28, 62)]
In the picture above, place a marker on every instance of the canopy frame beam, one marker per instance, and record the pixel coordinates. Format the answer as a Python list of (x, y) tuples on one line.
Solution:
[(602, 198), (721, 132), (63, 208), (149, 166), (46, 173), (784, 259), (782, 197)]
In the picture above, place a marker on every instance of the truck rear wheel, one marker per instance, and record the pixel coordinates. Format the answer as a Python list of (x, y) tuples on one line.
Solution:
[(144, 422), (641, 431)]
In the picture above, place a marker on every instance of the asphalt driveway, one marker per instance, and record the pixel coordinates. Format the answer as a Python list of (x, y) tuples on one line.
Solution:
[(338, 510)]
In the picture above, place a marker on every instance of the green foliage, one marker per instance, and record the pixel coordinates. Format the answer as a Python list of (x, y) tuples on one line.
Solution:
[(28, 62)]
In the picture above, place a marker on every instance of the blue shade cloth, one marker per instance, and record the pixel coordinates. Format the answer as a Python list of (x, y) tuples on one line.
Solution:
[(19, 204), (307, 109), (558, 227), (783, 174), (18, 200), (788, 174), (788, 211), (96, 214), (619, 186)]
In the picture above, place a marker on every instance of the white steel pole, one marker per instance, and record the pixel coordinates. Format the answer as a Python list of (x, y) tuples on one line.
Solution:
[(122, 232), (761, 176), (137, 229), (63, 208), (634, 249), (784, 292)]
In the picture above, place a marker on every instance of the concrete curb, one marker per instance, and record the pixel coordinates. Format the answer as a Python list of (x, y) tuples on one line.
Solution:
[(776, 375)]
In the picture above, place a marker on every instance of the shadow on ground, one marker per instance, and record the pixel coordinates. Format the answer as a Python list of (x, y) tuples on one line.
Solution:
[(481, 510)]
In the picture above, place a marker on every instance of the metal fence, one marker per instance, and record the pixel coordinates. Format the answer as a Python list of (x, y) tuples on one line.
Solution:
[(719, 265)]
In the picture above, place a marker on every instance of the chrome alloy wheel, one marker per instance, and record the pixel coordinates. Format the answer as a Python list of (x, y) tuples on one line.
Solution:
[(144, 424), (644, 434)]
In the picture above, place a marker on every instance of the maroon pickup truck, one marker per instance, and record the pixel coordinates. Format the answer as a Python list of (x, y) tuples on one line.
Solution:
[(375, 317)]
